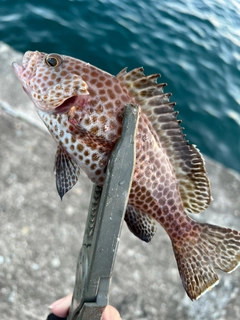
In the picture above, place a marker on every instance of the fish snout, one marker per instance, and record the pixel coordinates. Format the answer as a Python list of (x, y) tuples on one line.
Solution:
[(30, 58), (27, 71)]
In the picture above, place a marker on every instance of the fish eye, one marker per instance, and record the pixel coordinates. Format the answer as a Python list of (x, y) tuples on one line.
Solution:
[(53, 60)]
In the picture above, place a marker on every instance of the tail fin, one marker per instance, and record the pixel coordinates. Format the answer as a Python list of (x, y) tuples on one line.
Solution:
[(208, 247)]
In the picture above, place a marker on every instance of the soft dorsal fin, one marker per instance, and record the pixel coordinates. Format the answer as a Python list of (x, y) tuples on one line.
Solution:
[(140, 224), (66, 171), (185, 158)]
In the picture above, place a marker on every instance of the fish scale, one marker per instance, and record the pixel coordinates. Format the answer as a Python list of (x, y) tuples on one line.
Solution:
[(82, 107)]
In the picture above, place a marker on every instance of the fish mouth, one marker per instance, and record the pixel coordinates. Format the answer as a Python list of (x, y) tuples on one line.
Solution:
[(28, 62), (66, 105), (18, 70)]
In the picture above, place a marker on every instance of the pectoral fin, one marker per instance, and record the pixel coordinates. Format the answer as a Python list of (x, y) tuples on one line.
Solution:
[(140, 224), (66, 171)]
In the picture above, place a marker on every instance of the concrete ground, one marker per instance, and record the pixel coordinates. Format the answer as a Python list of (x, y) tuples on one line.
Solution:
[(40, 236)]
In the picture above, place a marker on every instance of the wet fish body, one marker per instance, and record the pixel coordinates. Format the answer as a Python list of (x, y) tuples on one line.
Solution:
[(82, 107)]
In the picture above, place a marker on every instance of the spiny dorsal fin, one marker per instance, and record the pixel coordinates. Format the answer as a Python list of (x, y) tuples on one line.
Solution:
[(140, 224), (66, 171), (185, 158)]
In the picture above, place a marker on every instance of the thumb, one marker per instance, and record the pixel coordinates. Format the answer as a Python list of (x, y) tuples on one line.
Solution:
[(110, 313)]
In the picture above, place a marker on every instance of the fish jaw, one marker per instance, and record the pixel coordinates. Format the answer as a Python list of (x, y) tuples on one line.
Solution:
[(51, 88), (17, 70), (26, 71)]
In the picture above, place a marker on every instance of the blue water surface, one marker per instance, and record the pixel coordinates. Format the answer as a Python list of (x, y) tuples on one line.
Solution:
[(195, 45)]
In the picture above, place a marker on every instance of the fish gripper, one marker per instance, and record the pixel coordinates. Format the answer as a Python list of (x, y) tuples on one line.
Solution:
[(103, 226)]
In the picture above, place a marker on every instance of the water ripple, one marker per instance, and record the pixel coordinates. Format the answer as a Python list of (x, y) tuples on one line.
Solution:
[(195, 45)]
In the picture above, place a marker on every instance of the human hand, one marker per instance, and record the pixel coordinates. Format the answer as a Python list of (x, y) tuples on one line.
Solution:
[(60, 308)]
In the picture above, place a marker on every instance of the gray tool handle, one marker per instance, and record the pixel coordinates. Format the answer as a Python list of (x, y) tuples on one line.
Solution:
[(103, 226)]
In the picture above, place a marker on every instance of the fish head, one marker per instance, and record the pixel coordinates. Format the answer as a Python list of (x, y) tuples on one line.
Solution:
[(50, 80)]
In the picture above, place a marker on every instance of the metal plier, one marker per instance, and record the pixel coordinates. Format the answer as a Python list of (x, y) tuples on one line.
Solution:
[(103, 227)]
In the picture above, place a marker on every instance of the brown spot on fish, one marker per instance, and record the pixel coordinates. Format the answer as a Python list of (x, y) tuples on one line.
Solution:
[(87, 121), (103, 119), (80, 147), (117, 89), (100, 85), (124, 98), (94, 130), (104, 99), (99, 109), (102, 92), (94, 119), (85, 70), (170, 202), (101, 179), (109, 105), (94, 81), (108, 83), (86, 78), (98, 172), (94, 74), (95, 157), (93, 166), (111, 94)]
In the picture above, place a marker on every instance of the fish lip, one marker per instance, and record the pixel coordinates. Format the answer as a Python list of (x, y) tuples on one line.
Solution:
[(18, 70)]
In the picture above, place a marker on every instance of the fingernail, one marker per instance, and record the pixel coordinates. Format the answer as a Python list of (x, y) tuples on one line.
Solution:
[(56, 303)]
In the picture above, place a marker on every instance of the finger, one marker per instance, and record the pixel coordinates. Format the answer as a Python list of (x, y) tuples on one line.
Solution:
[(61, 307), (110, 313)]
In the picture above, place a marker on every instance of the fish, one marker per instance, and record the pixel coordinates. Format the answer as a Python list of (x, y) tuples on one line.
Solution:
[(82, 107)]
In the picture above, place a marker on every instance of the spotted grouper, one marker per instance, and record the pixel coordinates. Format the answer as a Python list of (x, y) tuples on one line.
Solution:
[(82, 107)]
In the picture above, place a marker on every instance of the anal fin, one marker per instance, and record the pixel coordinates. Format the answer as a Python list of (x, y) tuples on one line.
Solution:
[(140, 224), (66, 171)]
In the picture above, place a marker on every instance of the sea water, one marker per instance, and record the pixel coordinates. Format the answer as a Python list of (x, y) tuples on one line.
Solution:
[(195, 45)]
